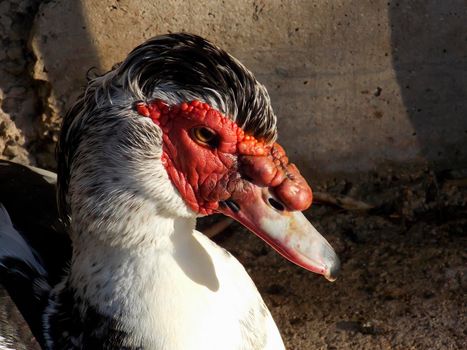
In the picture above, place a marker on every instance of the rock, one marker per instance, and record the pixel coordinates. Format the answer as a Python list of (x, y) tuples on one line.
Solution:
[(19, 107), (11, 139), (15, 53)]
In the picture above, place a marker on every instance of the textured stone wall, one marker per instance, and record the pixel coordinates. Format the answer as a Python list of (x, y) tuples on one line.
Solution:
[(18, 97), (356, 85)]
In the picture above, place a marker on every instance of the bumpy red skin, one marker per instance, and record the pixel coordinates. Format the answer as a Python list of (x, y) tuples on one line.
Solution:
[(206, 175)]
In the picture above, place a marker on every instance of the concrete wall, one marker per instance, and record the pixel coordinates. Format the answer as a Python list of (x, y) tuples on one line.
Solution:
[(357, 85)]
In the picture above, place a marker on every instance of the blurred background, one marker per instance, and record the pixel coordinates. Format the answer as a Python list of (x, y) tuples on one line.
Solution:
[(371, 98)]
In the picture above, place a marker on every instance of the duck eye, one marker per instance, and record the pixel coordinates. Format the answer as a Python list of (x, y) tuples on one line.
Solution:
[(205, 136)]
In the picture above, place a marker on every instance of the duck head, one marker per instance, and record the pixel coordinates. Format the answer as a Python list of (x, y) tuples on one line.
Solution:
[(187, 126)]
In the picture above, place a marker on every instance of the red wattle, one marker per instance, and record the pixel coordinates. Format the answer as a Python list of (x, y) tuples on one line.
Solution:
[(205, 175)]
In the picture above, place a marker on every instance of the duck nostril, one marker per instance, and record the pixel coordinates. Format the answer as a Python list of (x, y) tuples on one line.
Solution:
[(275, 204), (232, 205)]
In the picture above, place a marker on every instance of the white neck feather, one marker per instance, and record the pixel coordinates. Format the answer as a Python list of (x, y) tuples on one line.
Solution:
[(176, 291), (102, 266)]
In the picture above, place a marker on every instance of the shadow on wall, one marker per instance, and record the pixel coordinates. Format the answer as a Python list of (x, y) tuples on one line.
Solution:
[(429, 41), (53, 39), (70, 34)]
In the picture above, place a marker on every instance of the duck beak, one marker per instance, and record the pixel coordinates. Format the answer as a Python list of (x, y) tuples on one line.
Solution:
[(288, 232)]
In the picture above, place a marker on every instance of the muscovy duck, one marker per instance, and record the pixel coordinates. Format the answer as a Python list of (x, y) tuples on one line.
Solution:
[(178, 130)]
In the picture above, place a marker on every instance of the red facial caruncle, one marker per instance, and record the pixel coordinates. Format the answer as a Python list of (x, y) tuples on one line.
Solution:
[(210, 159), (216, 167)]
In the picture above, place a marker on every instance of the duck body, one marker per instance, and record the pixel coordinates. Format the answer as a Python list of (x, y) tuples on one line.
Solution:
[(160, 303), (180, 291), (180, 129)]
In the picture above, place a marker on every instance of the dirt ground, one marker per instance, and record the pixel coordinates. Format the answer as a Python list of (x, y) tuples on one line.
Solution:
[(403, 281)]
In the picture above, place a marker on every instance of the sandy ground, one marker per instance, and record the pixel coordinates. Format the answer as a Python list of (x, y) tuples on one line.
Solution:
[(403, 281)]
